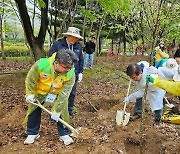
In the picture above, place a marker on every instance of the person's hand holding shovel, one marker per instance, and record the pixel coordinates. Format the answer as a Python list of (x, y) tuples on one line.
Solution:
[(30, 98), (150, 78), (55, 116), (126, 100)]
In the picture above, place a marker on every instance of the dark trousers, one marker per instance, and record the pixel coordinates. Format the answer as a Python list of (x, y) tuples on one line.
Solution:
[(138, 109), (34, 120), (72, 96), (158, 114), (138, 106)]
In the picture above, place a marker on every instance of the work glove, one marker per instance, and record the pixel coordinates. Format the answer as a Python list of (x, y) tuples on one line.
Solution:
[(80, 76), (30, 98), (152, 70), (126, 100), (150, 78), (55, 116)]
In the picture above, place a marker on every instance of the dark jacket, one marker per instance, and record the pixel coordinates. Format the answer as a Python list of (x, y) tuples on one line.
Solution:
[(90, 47), (77, 48)]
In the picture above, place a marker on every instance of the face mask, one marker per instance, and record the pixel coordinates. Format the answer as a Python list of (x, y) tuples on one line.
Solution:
[(161, 45)]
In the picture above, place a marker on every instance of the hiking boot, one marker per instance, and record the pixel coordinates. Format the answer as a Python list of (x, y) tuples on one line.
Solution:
[(135, 116), (157, 123), (66, 139), (31, 138)]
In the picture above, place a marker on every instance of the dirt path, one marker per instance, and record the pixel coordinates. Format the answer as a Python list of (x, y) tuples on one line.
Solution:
[(101, 134)]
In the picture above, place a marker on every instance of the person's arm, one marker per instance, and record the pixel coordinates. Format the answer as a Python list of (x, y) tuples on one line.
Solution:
[(138, 94), (163, 54), (32, 79), (169, 86), (64, 95)]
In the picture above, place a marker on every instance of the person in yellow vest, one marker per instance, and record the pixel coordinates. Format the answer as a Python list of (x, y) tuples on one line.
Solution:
[(168, 85), (160, 52), (171, 85), (50, 81)]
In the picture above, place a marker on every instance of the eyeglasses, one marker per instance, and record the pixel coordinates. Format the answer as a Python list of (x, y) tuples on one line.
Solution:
[(66, 67)]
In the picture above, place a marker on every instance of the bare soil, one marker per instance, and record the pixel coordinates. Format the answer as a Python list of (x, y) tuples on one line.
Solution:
[(99, 134)]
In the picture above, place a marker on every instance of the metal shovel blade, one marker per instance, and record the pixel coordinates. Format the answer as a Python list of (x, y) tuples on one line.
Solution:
[(122, 117)]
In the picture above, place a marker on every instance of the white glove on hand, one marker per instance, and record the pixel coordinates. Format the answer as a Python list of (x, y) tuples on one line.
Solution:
[(152, 70), (55, 116), (126, 100), (30, 98), (80, 76)]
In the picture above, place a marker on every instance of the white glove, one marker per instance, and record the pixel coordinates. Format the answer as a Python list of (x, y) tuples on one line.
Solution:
[(151, 70), (30, 98), (80, 76), (126, 100), (55, 116)]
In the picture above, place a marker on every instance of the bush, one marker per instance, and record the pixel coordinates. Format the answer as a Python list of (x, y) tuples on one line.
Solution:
[(15, 50), (18, 50)]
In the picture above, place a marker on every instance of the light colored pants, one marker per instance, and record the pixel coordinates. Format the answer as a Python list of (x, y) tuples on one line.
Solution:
[(89, 57)]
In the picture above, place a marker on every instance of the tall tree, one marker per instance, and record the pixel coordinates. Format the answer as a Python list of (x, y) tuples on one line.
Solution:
[(35, 42)]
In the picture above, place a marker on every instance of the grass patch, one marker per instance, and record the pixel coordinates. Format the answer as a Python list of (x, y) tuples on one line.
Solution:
[(27, 58)]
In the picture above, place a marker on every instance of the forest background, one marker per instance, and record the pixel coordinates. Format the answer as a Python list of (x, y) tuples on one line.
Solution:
[(120, 26)]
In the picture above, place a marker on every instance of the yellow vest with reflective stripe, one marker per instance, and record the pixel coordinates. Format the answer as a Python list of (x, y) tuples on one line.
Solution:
[(46, 77)]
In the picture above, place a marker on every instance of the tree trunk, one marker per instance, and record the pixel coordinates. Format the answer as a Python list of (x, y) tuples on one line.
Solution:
[(98, 35), (156, 29), (124, 40), (112, 45), (35, 43), (142, 32), (119, 44), (2, 39)]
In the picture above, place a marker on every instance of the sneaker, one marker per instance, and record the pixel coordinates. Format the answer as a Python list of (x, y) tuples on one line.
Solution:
[(66, 139), (135, 116), (31, 138)]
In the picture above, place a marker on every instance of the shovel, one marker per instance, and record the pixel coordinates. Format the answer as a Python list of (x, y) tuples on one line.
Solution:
[(168, 104), (73, 130), (122, 117)]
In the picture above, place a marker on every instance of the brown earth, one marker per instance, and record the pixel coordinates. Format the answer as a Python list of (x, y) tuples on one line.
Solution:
[(99, 133)]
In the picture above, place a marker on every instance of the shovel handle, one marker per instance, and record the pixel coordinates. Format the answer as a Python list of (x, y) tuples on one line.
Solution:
[(167, 100), (128, 87), (127, 93), (60, 120)]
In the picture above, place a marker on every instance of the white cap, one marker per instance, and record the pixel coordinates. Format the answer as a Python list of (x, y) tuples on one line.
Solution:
[(170, 64)]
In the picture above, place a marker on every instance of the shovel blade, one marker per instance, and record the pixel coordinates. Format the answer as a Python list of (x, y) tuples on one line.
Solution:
[(126, 118), (170, 105), (119, 117), (122, 117)]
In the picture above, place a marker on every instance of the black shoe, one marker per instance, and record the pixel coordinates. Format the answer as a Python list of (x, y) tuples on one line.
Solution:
[(71, 114), (135, 116), (157, 123)]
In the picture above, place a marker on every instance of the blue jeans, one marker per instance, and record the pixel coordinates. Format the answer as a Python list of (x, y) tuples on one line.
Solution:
[(34, 120), (89, 57), (138, 106), (72, 97)]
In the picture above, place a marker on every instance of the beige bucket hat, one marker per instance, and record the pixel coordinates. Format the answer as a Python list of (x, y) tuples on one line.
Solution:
[(73, 31)]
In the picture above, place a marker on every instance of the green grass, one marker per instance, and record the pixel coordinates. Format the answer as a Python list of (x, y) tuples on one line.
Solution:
[(27, 58), (108, 72)]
